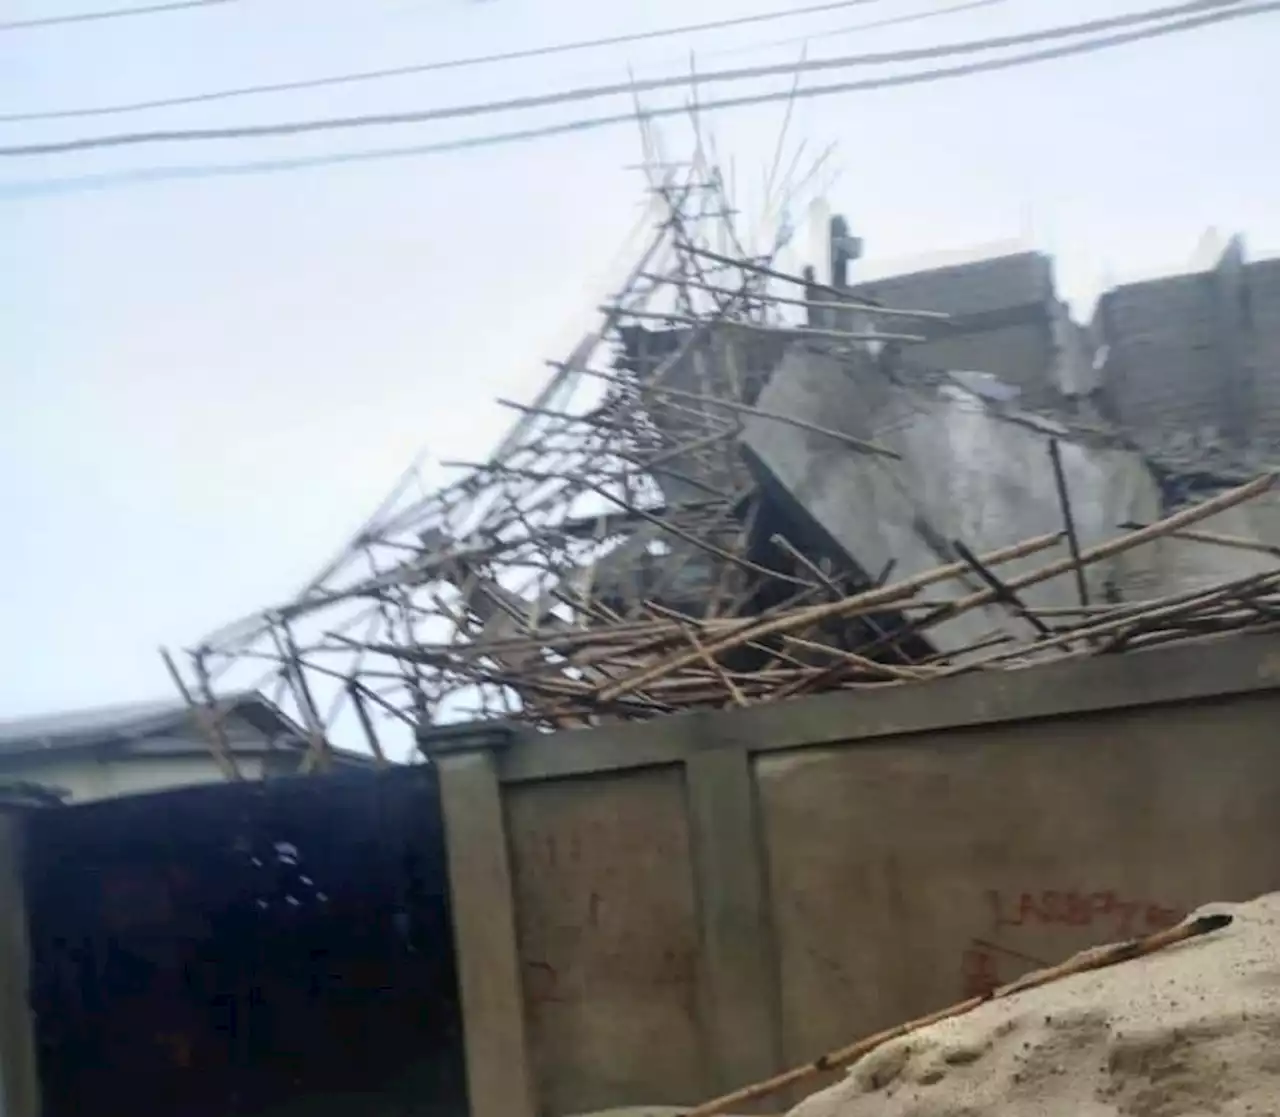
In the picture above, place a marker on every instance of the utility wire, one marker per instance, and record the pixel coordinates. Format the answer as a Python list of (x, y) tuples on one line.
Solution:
[(743, 48), (1217, 10), (431, 67), (848, 28), (111, 13), (495, 139)]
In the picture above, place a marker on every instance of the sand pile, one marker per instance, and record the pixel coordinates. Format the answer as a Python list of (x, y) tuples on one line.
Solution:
[(1194, 1029)]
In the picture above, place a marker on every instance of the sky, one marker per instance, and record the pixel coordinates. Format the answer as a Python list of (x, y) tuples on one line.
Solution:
[(208, 381)]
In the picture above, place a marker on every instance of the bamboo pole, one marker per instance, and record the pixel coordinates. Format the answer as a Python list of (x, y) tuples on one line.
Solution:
[(763, 296), (869, 601), (873, 666), (1107, 549), (1218, 539), (739, 699), (832, 610), (366, 723), (207, 720), (1162, 610), (790, 420), (1084, 962), (676, 318)]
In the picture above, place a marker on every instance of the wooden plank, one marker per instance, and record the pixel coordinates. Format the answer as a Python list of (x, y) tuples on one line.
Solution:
[(499, 1079), (1182, 673), (740, 979)]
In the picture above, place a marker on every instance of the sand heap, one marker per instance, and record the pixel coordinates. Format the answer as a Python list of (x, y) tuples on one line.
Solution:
[(1194, 1029)]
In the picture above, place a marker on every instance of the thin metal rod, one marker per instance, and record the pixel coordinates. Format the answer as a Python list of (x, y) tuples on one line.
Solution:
[(1068, 519), (1003, 593)]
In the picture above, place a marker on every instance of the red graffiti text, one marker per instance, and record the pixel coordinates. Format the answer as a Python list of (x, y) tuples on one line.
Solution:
[(1079, 908)]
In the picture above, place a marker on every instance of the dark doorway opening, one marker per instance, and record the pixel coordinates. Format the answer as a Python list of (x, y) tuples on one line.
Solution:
[(274, 948)]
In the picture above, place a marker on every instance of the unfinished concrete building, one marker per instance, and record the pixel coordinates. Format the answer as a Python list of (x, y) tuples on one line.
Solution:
[(1003, 317), (1190, 363)]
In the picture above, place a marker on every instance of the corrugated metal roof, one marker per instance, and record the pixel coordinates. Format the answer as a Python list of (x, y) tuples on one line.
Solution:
[(135, 721)]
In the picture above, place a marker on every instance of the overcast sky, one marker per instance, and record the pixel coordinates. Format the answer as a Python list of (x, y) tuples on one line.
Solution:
[(209, 381)]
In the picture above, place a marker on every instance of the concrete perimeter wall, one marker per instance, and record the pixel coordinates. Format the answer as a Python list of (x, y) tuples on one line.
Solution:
[(653, 913)]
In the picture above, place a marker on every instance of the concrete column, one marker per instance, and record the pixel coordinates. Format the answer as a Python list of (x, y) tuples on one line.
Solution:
[(740, 995), (499, 1075), (19, 1079), (1234, 372)]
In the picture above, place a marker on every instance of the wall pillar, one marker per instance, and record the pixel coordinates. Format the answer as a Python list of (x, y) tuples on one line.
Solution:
[(1234, 373), (740, 998), (19, 1078), (499, 1075)]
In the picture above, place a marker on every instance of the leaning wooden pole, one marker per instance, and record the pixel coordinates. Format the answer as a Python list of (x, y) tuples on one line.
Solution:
[(206, 718), (1095, 959), (801, 618)]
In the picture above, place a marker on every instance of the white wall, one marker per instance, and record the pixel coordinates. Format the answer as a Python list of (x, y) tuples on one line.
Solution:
[(89, 778)]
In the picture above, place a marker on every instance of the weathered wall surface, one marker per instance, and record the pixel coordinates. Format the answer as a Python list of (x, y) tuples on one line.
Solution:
[(1002, 318), (1262, 346), (608, 938), (989, 286), (700, 901), (1192, 361), (906, 877), (1162, 365)]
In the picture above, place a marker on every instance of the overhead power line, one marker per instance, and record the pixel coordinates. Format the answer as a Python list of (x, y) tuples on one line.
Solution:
[(440, 64), (1214, 11), (495, 139), (374, 75), (832, 32), (110, 13)]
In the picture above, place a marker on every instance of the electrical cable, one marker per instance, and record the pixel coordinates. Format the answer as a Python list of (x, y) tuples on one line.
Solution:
[(442, 64), (110, 13), (1215, 10), (427, 67), (847, 29), (546, 131)]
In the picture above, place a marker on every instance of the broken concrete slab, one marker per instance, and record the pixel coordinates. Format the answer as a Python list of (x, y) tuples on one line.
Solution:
[(967, 472)]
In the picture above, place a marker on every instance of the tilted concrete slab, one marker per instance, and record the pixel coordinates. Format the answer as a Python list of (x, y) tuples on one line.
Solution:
[(966, 473)]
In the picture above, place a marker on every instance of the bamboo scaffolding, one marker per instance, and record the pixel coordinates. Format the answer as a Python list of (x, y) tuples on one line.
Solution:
[(806, 618), (617, 559), (673, 318)]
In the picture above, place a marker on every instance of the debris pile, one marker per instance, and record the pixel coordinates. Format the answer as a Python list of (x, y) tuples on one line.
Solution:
[(741, 486)]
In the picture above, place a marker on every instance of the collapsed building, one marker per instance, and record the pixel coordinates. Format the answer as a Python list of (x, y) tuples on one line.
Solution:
[(744, 484), (1008, 416)]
